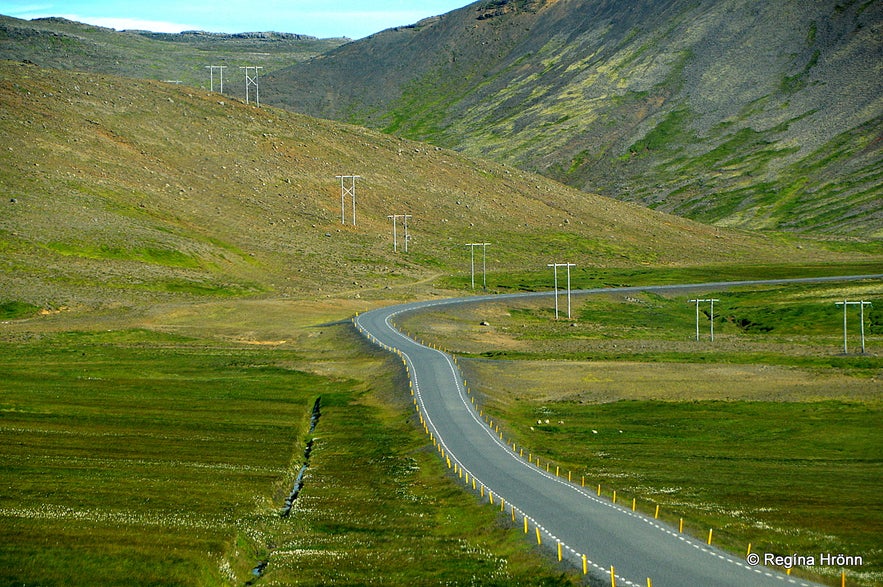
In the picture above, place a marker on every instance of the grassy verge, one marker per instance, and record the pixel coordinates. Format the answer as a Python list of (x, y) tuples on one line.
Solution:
[(379, 507), (786, 477)]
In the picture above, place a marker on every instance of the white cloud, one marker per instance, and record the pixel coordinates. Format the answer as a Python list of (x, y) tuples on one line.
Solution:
[(157, 26)]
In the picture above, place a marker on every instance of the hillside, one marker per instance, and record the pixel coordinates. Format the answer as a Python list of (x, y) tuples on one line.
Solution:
[(182, 57), (761, 115), (116, 189)]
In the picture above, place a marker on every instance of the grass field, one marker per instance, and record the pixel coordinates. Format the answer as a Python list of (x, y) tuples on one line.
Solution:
[(162, 453), (769, 435), (788, 476), (133, 454)]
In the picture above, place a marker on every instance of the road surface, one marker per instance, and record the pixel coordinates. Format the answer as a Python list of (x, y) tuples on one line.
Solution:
[(593, 532)]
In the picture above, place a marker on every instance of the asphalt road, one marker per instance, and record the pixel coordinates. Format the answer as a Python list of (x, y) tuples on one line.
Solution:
[(608, 535)]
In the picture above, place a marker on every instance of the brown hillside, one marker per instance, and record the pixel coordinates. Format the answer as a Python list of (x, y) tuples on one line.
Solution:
[(115, 189)]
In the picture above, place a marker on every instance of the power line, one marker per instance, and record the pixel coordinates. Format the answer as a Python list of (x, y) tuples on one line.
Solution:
[(395, 240), (252, 81), (861, 305), (483, 263), (212, 69), (698, 301), (555, 267), (347, 190)]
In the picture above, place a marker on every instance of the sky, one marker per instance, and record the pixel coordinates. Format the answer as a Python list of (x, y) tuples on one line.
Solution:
[(320, 18)]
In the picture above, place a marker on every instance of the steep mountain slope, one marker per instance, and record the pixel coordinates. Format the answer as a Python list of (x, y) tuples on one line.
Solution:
[(64, 44), (117, 189), (734, 112)]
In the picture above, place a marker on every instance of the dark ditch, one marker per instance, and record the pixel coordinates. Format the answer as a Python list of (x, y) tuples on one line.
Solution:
[(298, 482), (259, 569)]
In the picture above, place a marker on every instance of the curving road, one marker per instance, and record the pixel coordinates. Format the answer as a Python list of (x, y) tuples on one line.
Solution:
[(592, 531)]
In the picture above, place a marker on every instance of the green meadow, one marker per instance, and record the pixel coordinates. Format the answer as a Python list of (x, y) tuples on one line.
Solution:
[(786, 477), (146, 457), (135, 454)]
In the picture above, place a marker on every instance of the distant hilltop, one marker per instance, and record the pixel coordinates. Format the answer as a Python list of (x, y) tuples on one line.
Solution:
[(253, 35), (269, 35)]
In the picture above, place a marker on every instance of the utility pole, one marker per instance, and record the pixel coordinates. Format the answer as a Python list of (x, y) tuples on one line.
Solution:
[(698, 301), (347, 190), (483, 263), (555, 267), (395, 240), (212, 69), (861, 305), (252, 81)]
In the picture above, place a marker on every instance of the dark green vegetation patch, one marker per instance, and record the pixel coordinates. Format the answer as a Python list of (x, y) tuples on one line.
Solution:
[(11, 310), (143, 458)]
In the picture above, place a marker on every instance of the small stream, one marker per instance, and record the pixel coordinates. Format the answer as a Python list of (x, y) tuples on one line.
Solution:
[(259, 569)]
